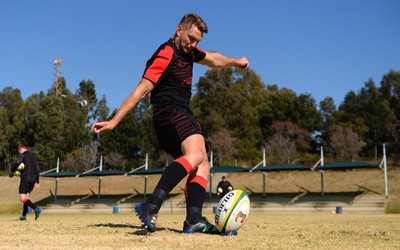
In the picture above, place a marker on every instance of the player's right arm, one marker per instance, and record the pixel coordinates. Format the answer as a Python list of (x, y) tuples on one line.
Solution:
[(144, 87), (16, 164)]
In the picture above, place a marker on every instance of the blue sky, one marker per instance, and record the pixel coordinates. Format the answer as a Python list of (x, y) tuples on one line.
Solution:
[(325, 48)]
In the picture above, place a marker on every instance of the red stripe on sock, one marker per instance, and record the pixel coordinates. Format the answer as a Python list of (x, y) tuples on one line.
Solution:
[(26, 198), (185, 164), (197, 179)]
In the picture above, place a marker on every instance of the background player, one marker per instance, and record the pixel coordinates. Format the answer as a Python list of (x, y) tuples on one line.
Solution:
[(26, 166), (224, 187)]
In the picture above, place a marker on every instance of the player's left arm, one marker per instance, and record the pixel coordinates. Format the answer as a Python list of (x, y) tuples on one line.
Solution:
[(217, 60)]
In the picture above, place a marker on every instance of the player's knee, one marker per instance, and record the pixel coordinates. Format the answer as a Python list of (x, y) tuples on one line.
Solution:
[(202, 160), (205, 165), (195, 158)]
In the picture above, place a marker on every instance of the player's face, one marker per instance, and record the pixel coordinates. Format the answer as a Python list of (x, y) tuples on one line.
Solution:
[(188, 38)]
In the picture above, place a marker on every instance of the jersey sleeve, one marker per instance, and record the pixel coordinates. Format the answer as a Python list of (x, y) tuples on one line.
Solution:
[(158, 64), (19, 160), (198, 54)]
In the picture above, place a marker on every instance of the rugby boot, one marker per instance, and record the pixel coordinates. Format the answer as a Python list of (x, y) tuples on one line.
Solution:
[(203, 226), (147, 214), (37, 213)]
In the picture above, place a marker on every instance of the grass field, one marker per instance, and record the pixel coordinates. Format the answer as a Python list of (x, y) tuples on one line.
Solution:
[(261, 231)]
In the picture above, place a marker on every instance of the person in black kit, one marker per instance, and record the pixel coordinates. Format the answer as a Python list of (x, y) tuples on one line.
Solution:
[(26, 166), (168, 76), (224, 187)]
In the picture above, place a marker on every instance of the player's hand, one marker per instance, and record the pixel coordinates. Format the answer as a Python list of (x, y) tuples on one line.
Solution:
[(99, 127), (11, 175), (37, 185), (243, 63)]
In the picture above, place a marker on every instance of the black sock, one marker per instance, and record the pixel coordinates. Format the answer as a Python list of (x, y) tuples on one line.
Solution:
[(25, 209), (157, 197), (194, 202), (172, 175), (29, 203)]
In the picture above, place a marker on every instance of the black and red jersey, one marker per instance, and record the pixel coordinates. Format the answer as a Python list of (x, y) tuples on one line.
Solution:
[(31, 171), (172, 70)]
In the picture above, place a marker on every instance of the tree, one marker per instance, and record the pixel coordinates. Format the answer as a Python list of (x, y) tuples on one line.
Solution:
[(222, 146), (101, 112), (11, 130), (328, 111), (87, 91), (287, 138), (345, 144), (49, 131), (123, 139), (280, 105), (368, 113), (307, 115), (390, 89), (231, 99)]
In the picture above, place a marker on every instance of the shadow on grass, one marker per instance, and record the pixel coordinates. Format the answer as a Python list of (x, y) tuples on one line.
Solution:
[(138, 230)]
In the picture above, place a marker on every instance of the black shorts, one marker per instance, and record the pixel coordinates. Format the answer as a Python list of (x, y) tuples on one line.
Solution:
[(173, 127), (26, 187)]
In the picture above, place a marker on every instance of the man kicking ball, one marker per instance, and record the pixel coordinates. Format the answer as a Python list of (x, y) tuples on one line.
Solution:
[(168, 76)]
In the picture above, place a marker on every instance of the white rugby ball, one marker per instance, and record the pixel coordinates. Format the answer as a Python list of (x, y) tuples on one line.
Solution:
[(232, 211)]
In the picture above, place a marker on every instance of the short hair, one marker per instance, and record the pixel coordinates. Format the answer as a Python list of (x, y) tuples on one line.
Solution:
[(21, 145), (191, 19)]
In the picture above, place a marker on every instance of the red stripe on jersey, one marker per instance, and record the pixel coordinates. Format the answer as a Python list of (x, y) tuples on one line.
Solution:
[(156, 69)]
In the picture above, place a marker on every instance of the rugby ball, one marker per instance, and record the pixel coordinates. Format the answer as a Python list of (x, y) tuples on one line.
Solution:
[(232, 211)]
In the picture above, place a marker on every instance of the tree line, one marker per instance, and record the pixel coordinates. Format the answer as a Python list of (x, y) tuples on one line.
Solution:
[(239, 113)]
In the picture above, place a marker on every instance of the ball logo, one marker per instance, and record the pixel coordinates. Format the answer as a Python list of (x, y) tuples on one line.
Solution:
[(241, 217)]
